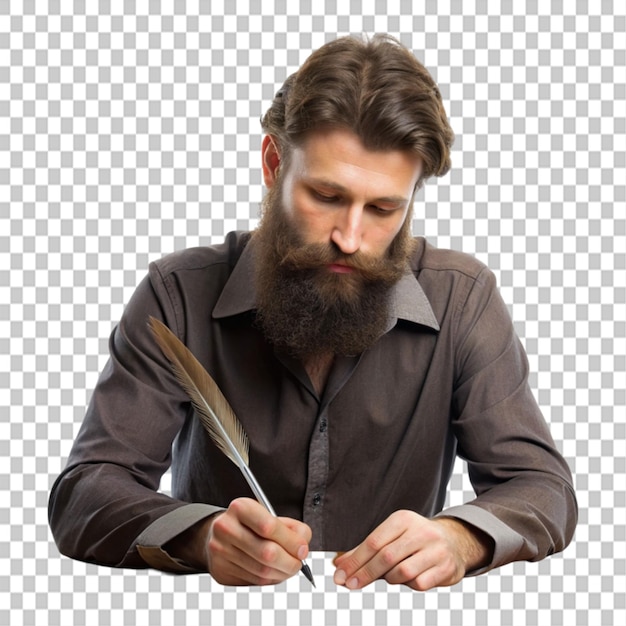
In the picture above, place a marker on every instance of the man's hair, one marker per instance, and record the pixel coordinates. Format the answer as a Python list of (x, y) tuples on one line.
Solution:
[(374, 87)]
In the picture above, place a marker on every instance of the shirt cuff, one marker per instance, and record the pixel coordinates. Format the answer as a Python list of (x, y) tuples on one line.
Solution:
[(508, 542), (149, 543)]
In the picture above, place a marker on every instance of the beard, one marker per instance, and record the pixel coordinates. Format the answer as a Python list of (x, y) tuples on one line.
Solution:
[(308, 310)]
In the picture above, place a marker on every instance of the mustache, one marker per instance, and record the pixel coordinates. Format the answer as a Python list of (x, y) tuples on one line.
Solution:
[(281, 241), (313, 257)]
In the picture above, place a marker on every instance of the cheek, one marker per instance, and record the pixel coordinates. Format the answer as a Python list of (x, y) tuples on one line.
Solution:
[(306, 216), (380, 234)]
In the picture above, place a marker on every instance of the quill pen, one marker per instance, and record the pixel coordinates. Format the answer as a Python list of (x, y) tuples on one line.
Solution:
[(213, 409)]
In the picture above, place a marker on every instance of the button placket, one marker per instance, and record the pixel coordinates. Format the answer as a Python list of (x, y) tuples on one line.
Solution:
[(317, 479), (319, 451)]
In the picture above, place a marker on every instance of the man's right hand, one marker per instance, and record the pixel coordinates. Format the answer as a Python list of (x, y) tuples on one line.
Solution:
[(245, 545)]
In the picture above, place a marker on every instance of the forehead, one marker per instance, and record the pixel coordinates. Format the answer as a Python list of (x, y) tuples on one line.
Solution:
[(338, 156)]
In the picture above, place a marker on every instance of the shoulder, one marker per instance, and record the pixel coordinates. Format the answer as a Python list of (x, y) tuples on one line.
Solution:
[(427, 258), (453, 281), (187, 284), (226, 254)]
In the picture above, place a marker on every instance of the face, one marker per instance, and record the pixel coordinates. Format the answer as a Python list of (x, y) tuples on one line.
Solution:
[(333, 240), (337, 192)]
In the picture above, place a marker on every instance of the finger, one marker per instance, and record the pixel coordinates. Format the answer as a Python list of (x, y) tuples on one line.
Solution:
[(433, 565), (381, 563), (418, 566), (300, 528), (293, 536), (338, 557), (387, 546), (369, 561), (268, 539), (234, 567), (436, 576), (238, 553)]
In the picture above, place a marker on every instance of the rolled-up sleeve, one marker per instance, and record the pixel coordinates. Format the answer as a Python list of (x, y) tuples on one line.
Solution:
[(107, 496), (525, 498)]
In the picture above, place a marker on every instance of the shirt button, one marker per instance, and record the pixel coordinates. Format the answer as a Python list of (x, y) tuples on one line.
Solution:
[(317, 499), (323, 426)]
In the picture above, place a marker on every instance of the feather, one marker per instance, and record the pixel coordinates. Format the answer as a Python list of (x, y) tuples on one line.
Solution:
[(216, 415), (211, 406)]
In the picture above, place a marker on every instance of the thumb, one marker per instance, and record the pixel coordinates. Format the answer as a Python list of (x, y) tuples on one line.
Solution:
[(298, 527), (339, 557)]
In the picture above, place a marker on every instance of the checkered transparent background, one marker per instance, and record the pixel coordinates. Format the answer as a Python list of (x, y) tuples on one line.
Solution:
[(130, 129)]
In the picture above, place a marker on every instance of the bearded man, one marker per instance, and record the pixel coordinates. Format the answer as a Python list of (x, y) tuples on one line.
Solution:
[(360, 361)]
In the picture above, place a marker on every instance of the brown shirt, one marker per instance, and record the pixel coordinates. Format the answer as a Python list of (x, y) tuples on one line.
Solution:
[(449, 377)]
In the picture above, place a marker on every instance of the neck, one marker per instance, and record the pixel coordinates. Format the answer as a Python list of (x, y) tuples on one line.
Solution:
[(318, 368)]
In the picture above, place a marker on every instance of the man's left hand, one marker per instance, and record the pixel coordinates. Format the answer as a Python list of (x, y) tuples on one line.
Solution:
[(415, 551)]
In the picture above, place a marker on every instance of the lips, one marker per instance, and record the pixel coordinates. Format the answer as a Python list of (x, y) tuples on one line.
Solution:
[(339, 268)]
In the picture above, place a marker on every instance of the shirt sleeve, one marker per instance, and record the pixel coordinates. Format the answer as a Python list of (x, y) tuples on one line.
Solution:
[(151, 541), (525, 499), (105, 506)]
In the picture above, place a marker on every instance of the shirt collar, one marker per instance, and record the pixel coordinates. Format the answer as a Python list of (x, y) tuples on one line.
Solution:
[(409, 302)]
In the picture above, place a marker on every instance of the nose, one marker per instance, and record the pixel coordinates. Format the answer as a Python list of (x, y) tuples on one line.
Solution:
[(348, 230)]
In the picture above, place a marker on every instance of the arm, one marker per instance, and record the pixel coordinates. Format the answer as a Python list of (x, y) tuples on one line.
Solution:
[(105, 508), (524, 492), (107, 494), (525, 506)]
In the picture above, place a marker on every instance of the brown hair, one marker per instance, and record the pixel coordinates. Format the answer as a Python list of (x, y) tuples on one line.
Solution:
[(377, 89)]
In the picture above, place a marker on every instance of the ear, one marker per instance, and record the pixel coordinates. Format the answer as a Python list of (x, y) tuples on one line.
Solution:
[(271, 160)]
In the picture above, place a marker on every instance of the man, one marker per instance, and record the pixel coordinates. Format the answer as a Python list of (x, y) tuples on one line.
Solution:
[(359, 360)]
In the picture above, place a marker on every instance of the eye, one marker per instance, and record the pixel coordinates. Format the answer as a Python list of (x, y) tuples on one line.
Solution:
[(381, 211), (322, 197)]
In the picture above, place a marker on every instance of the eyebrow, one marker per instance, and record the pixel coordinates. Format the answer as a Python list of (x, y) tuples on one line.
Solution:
[(329, 184)]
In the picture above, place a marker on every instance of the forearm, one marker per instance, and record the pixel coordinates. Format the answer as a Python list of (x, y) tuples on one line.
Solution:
[(474, 546), (191, 546), (526, 520), (97, 511)]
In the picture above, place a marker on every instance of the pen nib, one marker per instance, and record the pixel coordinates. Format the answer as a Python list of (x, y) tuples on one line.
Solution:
[(306, 570)]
